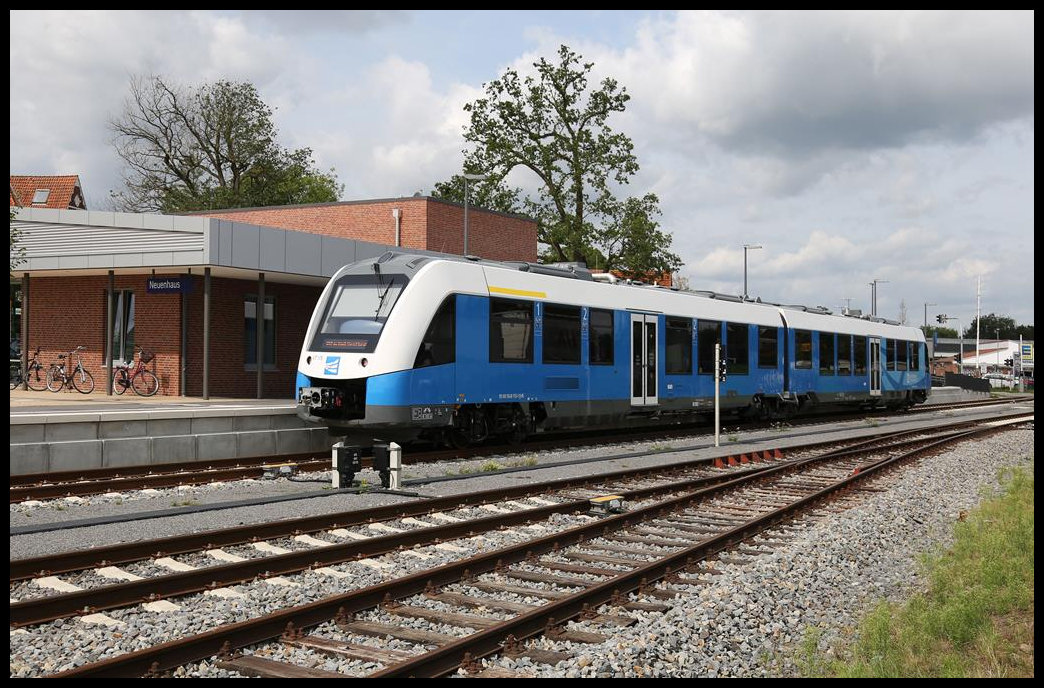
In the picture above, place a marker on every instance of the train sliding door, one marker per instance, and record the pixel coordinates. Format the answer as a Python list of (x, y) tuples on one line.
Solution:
[(643, 360), (875, 367)]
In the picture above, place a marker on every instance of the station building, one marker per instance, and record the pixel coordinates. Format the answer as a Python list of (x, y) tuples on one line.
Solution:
[(187, 287)]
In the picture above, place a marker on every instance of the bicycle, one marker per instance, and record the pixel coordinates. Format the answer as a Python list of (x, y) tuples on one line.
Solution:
[(79, 378), (136, 376), (37, 377)]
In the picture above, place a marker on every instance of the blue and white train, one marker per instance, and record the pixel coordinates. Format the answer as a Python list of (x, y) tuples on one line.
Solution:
[(410, 346)]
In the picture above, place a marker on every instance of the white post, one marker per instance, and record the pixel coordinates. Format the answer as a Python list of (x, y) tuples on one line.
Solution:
[(1021, 390), (978, 321), (335, 475), (717, 384), (395, 465)]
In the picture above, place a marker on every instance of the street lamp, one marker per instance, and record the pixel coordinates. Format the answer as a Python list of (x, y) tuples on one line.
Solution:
[(873, 295), (747, 247), (473, 177), (926, 312)]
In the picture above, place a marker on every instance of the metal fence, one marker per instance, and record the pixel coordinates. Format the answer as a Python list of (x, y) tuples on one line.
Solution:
[(974, 384)]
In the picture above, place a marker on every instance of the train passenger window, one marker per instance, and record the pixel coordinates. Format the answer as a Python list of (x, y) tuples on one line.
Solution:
[(600, 337), (738, 344), (803, 349), (826, 353), (844, 354), (679, 346), (708, 333), (915, 355), (440, 341), (890, 353), (510, 331), (902, 355), (860, 355), (561, 334), (768, 347)]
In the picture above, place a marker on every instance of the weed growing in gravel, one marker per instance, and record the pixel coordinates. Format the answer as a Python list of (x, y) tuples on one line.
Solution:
[(490, 466), (524, 462), (976, 618), (661, 447), (185, 502), (872, 422), (733, 438)]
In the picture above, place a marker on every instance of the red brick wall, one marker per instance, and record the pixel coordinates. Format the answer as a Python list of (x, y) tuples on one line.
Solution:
[(228, 378), (66, 312), (426, 223)]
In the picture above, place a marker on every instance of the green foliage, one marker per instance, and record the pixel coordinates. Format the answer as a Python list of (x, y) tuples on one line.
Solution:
[(944, 332), (209, 147), (555, 124), (993, 324), (17, 252)]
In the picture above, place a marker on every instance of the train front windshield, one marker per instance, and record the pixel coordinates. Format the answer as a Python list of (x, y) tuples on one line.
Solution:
[(356, 311)]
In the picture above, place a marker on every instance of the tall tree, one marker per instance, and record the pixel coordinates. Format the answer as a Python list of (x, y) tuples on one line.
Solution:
[(993, 324), (556, 125), (210, 146)]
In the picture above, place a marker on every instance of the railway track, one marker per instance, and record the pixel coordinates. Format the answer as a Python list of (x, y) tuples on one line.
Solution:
[(42, 486), (605, 566)]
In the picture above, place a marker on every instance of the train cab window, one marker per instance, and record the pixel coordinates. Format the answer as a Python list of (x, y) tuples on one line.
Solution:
[(737, 344), (768, 347), (844, 354), (561, 334), (860, 355), (679, 346), (902, 355), (890, 353), (826, 353), (600, 337), (708, 333), (915, 355), (510, 331), (439, 345), (802, 349)]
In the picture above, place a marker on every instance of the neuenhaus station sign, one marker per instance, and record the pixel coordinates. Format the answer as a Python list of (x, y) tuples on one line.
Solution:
[(168, 285)]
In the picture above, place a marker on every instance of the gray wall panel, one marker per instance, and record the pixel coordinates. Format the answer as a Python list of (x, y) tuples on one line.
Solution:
[(158, 221), (336, 254), (225, 255), (273, 249), (304, 253), (246, 244)]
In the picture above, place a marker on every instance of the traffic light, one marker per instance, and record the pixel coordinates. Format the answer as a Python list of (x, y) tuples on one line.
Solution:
[(722, 373), (957, 358), (1009, 362), (941, 318)]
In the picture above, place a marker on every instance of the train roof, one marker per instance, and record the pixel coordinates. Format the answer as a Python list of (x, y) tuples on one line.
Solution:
[(574, 283)]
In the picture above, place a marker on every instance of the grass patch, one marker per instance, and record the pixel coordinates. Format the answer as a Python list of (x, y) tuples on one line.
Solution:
[(975, 620), (490, 466), (185, 502)]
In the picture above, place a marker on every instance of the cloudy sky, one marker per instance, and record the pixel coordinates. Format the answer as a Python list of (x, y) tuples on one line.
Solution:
[(852, 146)]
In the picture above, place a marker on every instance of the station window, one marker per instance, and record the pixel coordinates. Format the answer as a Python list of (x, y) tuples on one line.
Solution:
[(860, 355), (561, 334), (708, 333), (768, 347), (122, 325), (803, 349), (510, 331), (250, 331), (826, 353), (738, 346), (844, 354), (600, 337), (679, 346), (439, 345), (902, 355), (890, 354)]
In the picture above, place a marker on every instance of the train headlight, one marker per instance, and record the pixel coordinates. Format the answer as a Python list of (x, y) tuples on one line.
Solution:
[(363, 362)]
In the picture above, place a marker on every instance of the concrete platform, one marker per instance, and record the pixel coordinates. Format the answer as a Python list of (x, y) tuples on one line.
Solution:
[(953, 395), (70, 431)]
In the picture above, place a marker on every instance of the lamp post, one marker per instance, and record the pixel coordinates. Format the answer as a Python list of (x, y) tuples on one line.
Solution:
[(473, 177), (873, 295), (747, 247), (926, 312)]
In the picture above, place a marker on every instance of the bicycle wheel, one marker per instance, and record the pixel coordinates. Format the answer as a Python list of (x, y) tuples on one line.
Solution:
[(37, 378), (55, 379), (16, 376), (119, 381), (145, 383), (83, 381)]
